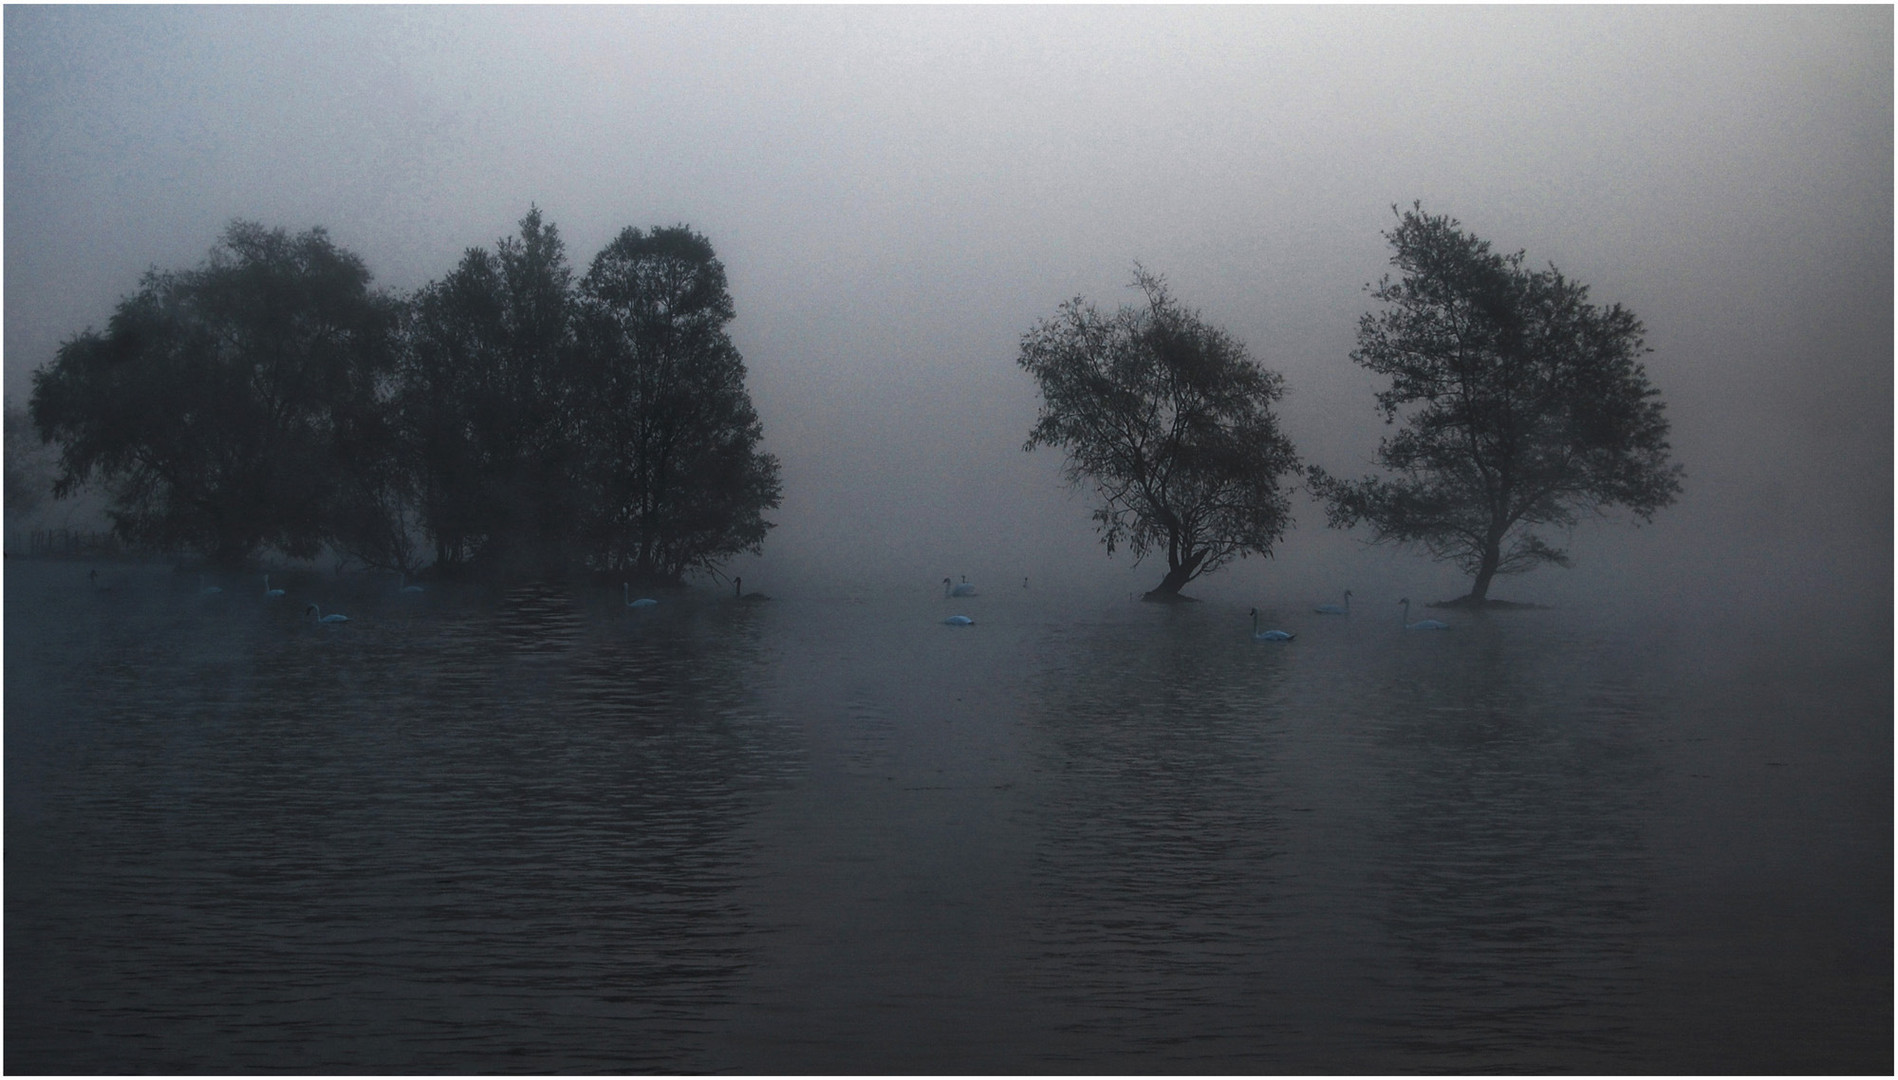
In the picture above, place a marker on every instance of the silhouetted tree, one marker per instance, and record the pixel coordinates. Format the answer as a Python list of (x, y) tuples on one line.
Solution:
[(488, 404), (213, 405), (675, 478), (375, 512), (1171, 422), (1521, 404)]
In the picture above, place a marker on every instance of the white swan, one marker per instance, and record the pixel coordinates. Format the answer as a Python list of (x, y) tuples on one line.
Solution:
[(322, 618), (958, 620), (962, 588), (408, 589), (738, 591), (1267, 635), (208, 590), (626, 597), (270, 593), (1420, 624), (1334, 609)]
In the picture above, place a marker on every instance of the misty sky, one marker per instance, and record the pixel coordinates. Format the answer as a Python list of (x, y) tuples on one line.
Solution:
[(899, 193)]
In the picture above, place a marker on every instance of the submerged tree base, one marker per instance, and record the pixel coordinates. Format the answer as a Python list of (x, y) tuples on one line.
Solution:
[(1488, 605), (1161, 596)]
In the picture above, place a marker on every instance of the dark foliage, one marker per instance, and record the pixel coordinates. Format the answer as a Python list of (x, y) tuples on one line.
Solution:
[(670, 458), (219, 404), (1170, 421), (515, 422), (1522, 405), (488, 403)]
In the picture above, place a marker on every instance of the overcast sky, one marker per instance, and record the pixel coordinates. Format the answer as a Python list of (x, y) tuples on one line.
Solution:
[(899, 193)]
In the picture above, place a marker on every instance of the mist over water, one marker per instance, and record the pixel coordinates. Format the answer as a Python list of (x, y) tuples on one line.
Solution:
[(537, 830), (899, 194), (1646, 829)]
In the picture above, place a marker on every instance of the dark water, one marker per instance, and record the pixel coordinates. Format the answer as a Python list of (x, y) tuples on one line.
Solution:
[(540, 832)]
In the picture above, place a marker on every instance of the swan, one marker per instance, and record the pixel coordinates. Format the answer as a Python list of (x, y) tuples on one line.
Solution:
[(270, 593), (738, 590), (1421, 624), (962, 588), (625, 595), (408, 589), (1334, 609), (958, 620), (208, 590), (322, 618), (1267, 635)]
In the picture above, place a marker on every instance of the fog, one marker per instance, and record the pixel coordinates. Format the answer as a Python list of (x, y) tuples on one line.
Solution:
[(899, 193)]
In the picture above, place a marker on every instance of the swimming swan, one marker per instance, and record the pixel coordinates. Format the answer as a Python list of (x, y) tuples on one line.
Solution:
[(322, 618), (738, 590), (408, 589), (626, 596), (958, 620), (1334, 609), (270, 593), (1420, 624), (962, 588), (208, 590), (1267, 635)]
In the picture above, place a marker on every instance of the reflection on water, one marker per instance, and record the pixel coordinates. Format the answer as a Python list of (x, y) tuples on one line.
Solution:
[(1516, 877), (1159, 911), (448, 836), (537, 831)]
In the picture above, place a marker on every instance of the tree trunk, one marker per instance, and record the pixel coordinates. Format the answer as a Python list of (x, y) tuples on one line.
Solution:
[(1492, 556), (1168, 591)]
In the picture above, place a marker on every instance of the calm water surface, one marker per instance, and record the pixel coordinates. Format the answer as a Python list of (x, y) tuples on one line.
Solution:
[(537, 831)]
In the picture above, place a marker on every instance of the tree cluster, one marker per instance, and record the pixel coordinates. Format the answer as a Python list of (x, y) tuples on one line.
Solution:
[(504, 418), (512, 418), (1519, 405)]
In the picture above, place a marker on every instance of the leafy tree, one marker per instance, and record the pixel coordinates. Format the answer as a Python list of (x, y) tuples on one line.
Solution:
[(212, 405), (675, 478), (1522, 405), (375, 515), (1171, 422), (487, 401)]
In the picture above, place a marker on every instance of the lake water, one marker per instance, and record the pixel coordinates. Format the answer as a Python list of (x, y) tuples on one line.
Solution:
[(537, 831)]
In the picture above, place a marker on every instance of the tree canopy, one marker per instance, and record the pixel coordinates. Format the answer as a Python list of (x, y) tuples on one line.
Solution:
[(515, 420), (1170, 421), (672, 461), (1518, 403), (487, 402), (219, 401)]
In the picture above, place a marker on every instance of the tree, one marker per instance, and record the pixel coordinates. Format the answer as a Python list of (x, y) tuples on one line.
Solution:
[(213, 404), (375, 514), (1171, 422), (1522, 405), (674, 474), (488, 405)]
